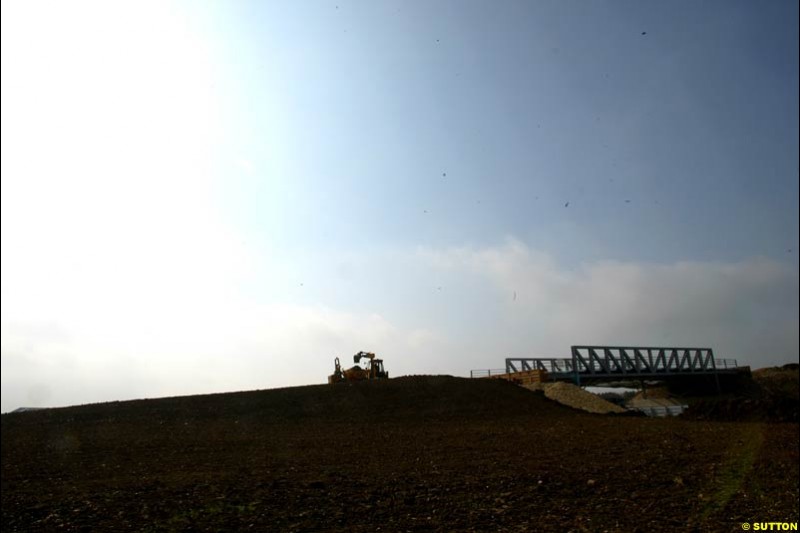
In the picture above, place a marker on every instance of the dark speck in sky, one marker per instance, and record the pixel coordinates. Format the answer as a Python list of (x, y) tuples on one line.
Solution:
[(444, 174), (566, 204), (644, 33), (627, 201)]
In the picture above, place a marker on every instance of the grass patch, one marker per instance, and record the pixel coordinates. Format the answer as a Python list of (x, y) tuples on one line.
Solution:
[(734, 471)]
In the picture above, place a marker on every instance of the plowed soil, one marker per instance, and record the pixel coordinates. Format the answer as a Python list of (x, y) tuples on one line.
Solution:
[(409, 454)]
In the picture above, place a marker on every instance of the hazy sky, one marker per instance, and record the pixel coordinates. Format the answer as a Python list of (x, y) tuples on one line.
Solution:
[(216, 196)]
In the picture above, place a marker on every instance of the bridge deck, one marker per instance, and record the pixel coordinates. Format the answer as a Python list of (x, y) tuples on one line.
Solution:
[(593, 363)]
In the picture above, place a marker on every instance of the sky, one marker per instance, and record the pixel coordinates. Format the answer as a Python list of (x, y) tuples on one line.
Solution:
[(205, 197)]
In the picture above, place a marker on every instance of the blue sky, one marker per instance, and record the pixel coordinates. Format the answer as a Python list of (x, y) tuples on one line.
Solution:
[(200, 197)]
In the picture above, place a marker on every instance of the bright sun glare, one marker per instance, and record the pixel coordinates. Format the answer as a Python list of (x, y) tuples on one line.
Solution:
[(109, 128), (112, 88)]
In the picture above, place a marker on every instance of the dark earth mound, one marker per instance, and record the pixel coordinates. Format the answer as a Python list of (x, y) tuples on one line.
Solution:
[(769, 395), (416, 453)]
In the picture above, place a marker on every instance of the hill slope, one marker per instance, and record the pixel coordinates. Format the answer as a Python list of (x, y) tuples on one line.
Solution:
[(408, 396), (770, 395)]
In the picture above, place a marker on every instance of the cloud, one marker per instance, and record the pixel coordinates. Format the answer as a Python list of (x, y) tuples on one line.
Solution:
[(746, 310), (194, 325), (235, 345)]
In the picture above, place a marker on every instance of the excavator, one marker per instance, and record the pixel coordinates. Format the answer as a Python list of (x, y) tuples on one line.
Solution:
[(373, 369)]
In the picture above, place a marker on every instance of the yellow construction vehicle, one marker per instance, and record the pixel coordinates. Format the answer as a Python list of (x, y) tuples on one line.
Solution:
[(373, 369)]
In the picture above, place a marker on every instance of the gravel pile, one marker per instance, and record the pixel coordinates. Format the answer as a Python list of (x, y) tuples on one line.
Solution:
[(576, 397)]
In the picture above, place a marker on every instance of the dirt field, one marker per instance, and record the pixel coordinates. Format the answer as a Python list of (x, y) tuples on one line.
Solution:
[(408, 454)]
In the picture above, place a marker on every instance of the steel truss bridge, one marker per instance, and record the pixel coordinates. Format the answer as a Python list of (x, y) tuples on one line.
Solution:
[(593, 364)]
